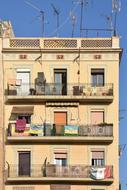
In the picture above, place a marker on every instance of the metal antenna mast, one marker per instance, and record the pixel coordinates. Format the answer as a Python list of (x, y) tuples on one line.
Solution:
[(83, 3), (81, 17), (57, 13), (73, 21), (116, 7), (41, 15)]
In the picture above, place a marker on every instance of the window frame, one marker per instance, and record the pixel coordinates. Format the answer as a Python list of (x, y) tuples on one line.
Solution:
[(96, 73)]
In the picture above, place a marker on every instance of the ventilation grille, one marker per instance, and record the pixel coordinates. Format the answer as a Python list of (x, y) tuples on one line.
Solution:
[(60, 43), (25, 43), (96, 43)]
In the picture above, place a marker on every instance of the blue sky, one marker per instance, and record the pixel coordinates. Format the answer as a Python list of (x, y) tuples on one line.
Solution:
[(27, 23)]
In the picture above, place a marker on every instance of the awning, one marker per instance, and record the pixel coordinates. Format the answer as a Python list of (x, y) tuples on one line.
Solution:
[(71, 104), (23, 110)]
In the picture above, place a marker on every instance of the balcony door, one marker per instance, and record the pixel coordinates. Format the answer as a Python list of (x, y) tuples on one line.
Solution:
[(24, 163), (24, 76), (60, 80), (60, 158), (60, 119)]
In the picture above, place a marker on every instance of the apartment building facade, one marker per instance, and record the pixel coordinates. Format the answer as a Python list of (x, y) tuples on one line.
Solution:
[(61, 113)]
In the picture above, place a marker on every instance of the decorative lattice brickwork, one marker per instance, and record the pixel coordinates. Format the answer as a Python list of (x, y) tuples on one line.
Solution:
[(96, 43), (25, 43), (56, 43)]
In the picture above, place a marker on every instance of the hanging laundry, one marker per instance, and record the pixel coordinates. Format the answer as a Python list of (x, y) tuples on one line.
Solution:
[(36, 129), (70, 130), (107, 172), (97, 173), (20, 124)]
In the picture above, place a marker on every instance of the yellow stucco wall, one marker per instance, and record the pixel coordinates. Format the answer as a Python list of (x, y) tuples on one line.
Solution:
[(80, 114)]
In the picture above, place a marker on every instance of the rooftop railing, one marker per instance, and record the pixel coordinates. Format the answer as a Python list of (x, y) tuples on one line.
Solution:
[(66, 43)]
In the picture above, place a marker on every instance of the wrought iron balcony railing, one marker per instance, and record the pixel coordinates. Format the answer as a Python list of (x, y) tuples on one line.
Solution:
[(54, 89), (79, 171), (100, 130), (56, 171)]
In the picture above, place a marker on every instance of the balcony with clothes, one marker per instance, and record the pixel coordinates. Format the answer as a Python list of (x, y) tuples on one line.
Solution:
[(56, 173), (44, 91), (23, 131)]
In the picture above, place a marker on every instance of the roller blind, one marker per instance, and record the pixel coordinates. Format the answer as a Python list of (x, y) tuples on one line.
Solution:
[(97, 154), (97, 117)]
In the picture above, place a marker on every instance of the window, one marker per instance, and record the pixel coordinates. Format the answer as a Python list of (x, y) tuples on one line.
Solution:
[(23, 188), (97, 116), (60, 157), (97, 189), (97, 158), (97, 77), (60, 187)]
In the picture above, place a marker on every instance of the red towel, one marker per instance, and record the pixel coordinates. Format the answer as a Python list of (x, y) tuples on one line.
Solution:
[(107, 172), (20, 124)]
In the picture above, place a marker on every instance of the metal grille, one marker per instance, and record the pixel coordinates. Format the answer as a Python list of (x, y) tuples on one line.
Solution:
[(59, 89), (28, 43), (23, 188), (96, 43), (60, 43)]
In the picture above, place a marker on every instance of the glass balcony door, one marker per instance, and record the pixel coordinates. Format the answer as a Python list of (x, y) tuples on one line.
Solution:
[(60, 80), (60, 160)]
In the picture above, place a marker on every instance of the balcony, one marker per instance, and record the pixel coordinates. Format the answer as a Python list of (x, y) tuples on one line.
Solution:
[(50, 92), (54, 173), (102, 133)]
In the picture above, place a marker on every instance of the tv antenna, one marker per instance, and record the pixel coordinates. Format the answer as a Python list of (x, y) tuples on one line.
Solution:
[(73, 21), (41, 15), (82, 3), (116, 7), (109, 22), (108, 19), (121, 149), (57, 13)]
